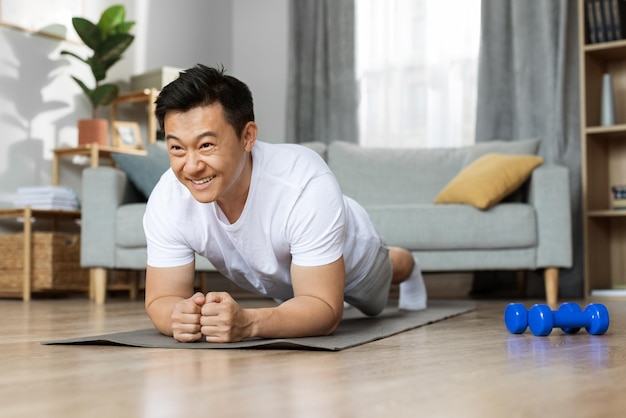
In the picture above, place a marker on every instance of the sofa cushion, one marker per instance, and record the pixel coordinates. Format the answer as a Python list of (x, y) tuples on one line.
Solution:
[(456, 227), (406, 175), (393, 176), (518, 147), (144, 171), (473, 260), (129, 227), (489, 179)]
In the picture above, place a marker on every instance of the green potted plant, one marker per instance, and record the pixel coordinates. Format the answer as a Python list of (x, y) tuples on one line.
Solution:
[(108, 39)]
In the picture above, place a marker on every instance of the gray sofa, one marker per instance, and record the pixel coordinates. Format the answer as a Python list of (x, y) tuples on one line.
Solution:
[(529, 230)]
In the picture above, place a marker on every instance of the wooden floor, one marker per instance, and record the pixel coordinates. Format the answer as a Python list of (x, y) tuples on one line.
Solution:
[(467, 366)]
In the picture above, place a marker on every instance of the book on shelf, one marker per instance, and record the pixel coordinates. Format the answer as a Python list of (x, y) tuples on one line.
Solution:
[(599, 25), (603, 21), (47, 197), (618, 18), (591, 21), (606, 20)]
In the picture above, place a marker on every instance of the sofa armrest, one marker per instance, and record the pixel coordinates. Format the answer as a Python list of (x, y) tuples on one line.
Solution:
[(104, 189), (549, 193)]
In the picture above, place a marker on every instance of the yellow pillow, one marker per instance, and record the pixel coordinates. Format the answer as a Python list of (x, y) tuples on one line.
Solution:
[(489, 179)]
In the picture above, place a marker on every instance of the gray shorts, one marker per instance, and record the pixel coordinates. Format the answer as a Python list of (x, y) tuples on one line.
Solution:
[(371, 294)]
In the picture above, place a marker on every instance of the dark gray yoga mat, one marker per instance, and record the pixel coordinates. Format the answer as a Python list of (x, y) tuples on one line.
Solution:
[(355, 329)]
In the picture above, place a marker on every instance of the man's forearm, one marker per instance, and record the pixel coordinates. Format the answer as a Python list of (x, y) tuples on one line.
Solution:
[(160, 313), (302, 316)]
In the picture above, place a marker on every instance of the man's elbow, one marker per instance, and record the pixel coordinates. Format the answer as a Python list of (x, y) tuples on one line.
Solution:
[(334, 321)]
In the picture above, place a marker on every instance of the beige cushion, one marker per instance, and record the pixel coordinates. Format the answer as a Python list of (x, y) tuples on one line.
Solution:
[(489, 179)]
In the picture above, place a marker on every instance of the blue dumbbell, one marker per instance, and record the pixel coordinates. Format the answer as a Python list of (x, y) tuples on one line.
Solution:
[(595, 319), (569, 318), (516, 318)]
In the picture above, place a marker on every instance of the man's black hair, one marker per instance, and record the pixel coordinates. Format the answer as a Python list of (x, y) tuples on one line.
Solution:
[(203, 86)]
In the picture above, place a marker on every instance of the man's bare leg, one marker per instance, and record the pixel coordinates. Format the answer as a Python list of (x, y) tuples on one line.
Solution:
[(407, 273), (402, 262)]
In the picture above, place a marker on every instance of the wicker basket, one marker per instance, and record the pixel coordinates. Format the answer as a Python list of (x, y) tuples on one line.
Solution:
[(55, 262)]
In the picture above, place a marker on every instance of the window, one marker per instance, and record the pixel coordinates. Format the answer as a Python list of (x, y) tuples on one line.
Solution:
[(417, 63)]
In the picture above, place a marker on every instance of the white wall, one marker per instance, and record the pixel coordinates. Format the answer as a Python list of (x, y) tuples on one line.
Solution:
[(40, 104), (39, 107), (260, 53)]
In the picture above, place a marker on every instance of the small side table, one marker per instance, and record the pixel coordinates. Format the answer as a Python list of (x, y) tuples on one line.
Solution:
[(95, 151), (28, 215)]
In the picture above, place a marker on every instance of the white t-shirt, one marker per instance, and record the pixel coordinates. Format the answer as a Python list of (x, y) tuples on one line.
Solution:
[(295, 213)]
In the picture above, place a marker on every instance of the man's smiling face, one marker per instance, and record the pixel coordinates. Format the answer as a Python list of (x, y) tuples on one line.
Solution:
[(208, 157)]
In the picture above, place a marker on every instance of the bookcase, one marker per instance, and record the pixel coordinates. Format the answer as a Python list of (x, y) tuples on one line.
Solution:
[(603, 158)]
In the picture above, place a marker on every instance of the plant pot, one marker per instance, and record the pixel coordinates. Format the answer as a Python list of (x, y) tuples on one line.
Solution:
[(93, 130)]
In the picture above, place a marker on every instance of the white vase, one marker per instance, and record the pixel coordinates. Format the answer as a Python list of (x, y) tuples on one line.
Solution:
[(608, 106)]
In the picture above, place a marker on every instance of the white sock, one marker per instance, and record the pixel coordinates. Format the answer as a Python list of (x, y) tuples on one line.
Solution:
[(413, 291)]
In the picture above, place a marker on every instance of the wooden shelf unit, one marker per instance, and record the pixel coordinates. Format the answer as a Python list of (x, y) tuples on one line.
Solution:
[(603, 159), (146, 96), (27, 215)]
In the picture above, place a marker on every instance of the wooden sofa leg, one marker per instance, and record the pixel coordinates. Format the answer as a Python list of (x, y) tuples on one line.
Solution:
[(98, 281), (133, 284), (551, 278), (92, 289)]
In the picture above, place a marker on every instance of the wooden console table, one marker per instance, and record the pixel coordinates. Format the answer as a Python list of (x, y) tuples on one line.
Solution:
[(28, 215), (95, 151)]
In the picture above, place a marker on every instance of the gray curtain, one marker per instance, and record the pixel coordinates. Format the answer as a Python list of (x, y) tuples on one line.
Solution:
[(322, 89), (528, 88)]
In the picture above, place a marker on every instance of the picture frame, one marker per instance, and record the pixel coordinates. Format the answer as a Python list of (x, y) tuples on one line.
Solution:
[(126, 135)]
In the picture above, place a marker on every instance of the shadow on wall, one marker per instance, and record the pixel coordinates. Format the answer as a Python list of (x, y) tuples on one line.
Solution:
[(27, 67)]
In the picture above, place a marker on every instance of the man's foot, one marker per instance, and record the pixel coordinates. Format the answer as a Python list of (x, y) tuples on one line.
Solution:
[(413, 291)]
